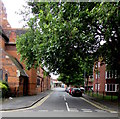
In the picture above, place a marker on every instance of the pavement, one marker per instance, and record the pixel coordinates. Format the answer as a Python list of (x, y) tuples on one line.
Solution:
[(14, 103), (104, 104)]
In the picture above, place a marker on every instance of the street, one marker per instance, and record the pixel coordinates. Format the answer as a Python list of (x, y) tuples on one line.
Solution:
[(59, 103)]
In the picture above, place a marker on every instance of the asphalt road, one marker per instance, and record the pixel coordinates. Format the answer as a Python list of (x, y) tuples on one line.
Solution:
[(60, 101), (61, 104)]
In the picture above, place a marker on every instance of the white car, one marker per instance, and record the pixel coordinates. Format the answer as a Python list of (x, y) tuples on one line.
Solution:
[(82, 89)]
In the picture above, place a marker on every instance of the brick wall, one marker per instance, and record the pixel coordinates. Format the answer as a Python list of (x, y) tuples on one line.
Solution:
[(10, 48)]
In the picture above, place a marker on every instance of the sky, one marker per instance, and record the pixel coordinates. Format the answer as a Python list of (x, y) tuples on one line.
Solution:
[(13, 6)]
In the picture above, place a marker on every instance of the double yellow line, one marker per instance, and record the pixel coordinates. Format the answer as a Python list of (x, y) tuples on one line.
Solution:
[(99, 107), (34, 106)]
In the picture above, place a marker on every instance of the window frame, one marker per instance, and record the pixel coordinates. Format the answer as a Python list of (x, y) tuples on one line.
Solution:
[(111, 87)]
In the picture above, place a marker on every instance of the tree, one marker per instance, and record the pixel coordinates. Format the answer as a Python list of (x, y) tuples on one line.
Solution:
[(66, 37)]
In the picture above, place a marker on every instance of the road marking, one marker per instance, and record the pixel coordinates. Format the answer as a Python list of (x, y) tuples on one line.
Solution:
[(64, 98), (40, 102), (43, 110), (97, 110), (108, 110), (114, 112), (68, 109), (34, 106), (74, 110), (86, 110), (58, 110)]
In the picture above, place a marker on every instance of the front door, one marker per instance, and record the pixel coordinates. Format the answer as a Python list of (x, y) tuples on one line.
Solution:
[(25, 86)]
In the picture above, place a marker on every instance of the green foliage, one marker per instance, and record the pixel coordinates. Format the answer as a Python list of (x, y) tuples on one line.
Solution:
[(4, 89), (66, 37)]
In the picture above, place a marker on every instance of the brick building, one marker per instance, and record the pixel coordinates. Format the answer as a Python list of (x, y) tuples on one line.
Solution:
[(88, 83), (105, 81), (25, 82)]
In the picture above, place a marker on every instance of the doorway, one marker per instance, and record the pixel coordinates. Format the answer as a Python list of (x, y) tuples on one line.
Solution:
[(25, 86)]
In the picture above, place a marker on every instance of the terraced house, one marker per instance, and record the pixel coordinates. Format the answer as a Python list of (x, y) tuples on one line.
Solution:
[(21, 81)]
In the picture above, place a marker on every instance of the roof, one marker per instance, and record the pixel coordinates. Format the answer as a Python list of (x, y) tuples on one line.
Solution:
[(2, 33), (17, 64), (17, 31)]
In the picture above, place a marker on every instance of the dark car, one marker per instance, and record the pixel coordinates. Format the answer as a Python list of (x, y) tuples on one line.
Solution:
[(76, 92)]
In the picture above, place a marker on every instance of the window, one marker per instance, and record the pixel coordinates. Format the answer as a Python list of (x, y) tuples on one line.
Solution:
[(115, 73), (97, 86), (38, 82), (98, 74), (111, 87), (98, 64), (1, 74), (110, 74), (6, 77)]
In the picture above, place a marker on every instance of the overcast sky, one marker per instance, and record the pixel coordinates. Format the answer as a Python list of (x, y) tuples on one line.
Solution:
[(13, 6)]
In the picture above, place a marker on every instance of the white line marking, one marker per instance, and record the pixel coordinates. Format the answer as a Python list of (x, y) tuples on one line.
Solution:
[(58, 110), (68, 109), (97, 110), (87, 111), (64, 98), (43, 110), (74, 110), (114, 112)]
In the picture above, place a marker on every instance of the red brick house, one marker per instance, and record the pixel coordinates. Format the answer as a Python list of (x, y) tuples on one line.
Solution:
[(105, 81), (25, 82), (88, 84)]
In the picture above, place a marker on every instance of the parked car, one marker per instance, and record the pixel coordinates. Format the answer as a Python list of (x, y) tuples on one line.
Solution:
[(70, 90), (76, 92), (82, 89), (67, 89)]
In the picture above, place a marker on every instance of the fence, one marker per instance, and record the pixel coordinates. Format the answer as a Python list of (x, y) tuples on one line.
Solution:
[(103, 96)]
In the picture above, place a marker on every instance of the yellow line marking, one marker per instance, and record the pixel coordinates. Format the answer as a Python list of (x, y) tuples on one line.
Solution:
[(34, 106), (40, 102), (108, 110)]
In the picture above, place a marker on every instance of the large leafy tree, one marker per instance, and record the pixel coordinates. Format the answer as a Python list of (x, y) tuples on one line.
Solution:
[(66, 37)]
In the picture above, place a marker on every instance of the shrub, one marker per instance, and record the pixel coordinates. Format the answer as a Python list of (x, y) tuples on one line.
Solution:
[(3, 89)]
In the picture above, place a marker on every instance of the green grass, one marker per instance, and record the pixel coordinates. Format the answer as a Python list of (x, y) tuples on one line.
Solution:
[(101, 97)]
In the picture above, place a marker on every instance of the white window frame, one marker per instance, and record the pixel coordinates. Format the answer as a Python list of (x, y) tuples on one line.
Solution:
[(98, 87), (106, 85), (96, 75), (98, 64), (105, 74)]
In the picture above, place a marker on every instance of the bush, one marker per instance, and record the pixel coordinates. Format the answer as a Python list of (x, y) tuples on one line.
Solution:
[(3, 89)]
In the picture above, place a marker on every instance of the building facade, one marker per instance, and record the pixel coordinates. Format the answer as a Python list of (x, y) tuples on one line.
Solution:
[(105, 81), (20, 80)]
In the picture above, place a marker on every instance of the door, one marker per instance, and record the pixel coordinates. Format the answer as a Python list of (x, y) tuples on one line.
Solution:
[(25, 86)]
